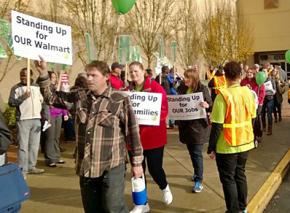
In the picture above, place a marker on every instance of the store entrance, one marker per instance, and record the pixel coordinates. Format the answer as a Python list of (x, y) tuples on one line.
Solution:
[(275, 58)]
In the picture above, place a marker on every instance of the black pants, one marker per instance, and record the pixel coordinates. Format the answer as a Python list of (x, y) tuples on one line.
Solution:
[(231, 169), (258, 130), (104, 194), (154, 160)]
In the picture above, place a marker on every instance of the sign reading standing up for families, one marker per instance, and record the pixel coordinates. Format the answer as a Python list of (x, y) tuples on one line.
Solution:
[(34, 37), (147, 107), (186, 107)]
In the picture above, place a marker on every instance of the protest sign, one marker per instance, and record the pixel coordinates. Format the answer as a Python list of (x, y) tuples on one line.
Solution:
[(34, 37), (147, 107), (269, 86), (186, 107)]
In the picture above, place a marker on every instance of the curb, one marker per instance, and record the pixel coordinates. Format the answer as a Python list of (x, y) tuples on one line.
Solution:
[(261, 199)]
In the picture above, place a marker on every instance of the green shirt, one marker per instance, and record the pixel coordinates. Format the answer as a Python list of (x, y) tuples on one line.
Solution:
[(189, 90), (218, 116), (138, 88)]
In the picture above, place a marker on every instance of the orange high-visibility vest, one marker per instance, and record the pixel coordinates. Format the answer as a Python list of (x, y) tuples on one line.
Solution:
[(237, 127), (219, 83)]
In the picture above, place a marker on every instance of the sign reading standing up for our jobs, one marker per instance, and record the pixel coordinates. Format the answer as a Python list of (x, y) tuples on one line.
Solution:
[(186, 107), (34, 37), (147, 107)]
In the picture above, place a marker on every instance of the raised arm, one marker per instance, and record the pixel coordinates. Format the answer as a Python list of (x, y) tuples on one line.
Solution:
[(57, 99)]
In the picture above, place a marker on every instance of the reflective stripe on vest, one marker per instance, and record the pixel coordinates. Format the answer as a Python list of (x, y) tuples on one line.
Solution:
[(239, 101), (219, 83)]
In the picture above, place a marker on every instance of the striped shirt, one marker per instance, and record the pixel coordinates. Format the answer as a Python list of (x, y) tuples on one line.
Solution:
[(105, 125)]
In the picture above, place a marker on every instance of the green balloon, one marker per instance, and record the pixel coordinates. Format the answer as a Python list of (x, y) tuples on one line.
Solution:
[(287, 56), (260, 78), (123, 6)]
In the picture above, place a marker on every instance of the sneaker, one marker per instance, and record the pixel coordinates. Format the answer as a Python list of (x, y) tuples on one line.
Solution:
[(35, 171), (52, 164), (60, 161), (167, 195), (46, 125), (244, 211), (140, 208), (197, 187), (256, 143)]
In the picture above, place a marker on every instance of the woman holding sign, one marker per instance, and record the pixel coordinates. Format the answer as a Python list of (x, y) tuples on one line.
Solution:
[(194, 133), (153, 138)]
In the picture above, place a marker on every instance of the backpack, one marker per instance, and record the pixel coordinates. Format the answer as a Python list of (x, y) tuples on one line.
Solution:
[(13, 190)]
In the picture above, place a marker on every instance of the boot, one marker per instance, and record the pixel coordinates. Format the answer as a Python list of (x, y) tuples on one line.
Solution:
[(269, 132)]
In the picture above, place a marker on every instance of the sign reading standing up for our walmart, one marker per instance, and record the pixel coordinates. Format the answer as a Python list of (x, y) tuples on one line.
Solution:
[(34, 37)]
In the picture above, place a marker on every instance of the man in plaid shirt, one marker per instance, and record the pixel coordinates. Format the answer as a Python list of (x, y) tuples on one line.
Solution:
[(105, 125)]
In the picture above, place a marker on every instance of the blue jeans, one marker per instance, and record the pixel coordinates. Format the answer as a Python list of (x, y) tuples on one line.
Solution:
[(195, 152), (29, 139), (268, 107), (104, 194)]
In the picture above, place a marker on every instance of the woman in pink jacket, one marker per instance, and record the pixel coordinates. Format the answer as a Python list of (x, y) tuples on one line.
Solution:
[(250, 81), (153, 138)]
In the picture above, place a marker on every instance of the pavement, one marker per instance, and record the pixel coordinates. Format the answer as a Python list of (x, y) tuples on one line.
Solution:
[(280, 201), (57, 190)]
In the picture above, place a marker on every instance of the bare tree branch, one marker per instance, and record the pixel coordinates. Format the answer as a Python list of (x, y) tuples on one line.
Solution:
[(149, 20)]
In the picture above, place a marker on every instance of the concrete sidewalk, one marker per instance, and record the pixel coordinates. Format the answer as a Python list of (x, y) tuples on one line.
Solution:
[(57, 190)]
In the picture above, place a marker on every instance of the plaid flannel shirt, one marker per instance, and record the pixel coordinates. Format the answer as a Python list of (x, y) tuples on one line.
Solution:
[(105, 124)]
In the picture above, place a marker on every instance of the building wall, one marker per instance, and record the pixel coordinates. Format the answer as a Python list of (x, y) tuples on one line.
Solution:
[(271, 29)]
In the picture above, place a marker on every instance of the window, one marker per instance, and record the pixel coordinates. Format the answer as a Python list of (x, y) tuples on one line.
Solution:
[(271, 4)]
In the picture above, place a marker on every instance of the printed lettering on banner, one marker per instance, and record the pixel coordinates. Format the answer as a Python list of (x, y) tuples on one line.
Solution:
[(147, 107), (186, 107), (33, 37)]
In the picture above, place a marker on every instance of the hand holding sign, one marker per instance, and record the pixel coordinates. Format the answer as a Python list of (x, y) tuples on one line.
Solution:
[(41, 66), (204, 104), (26, 95)]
